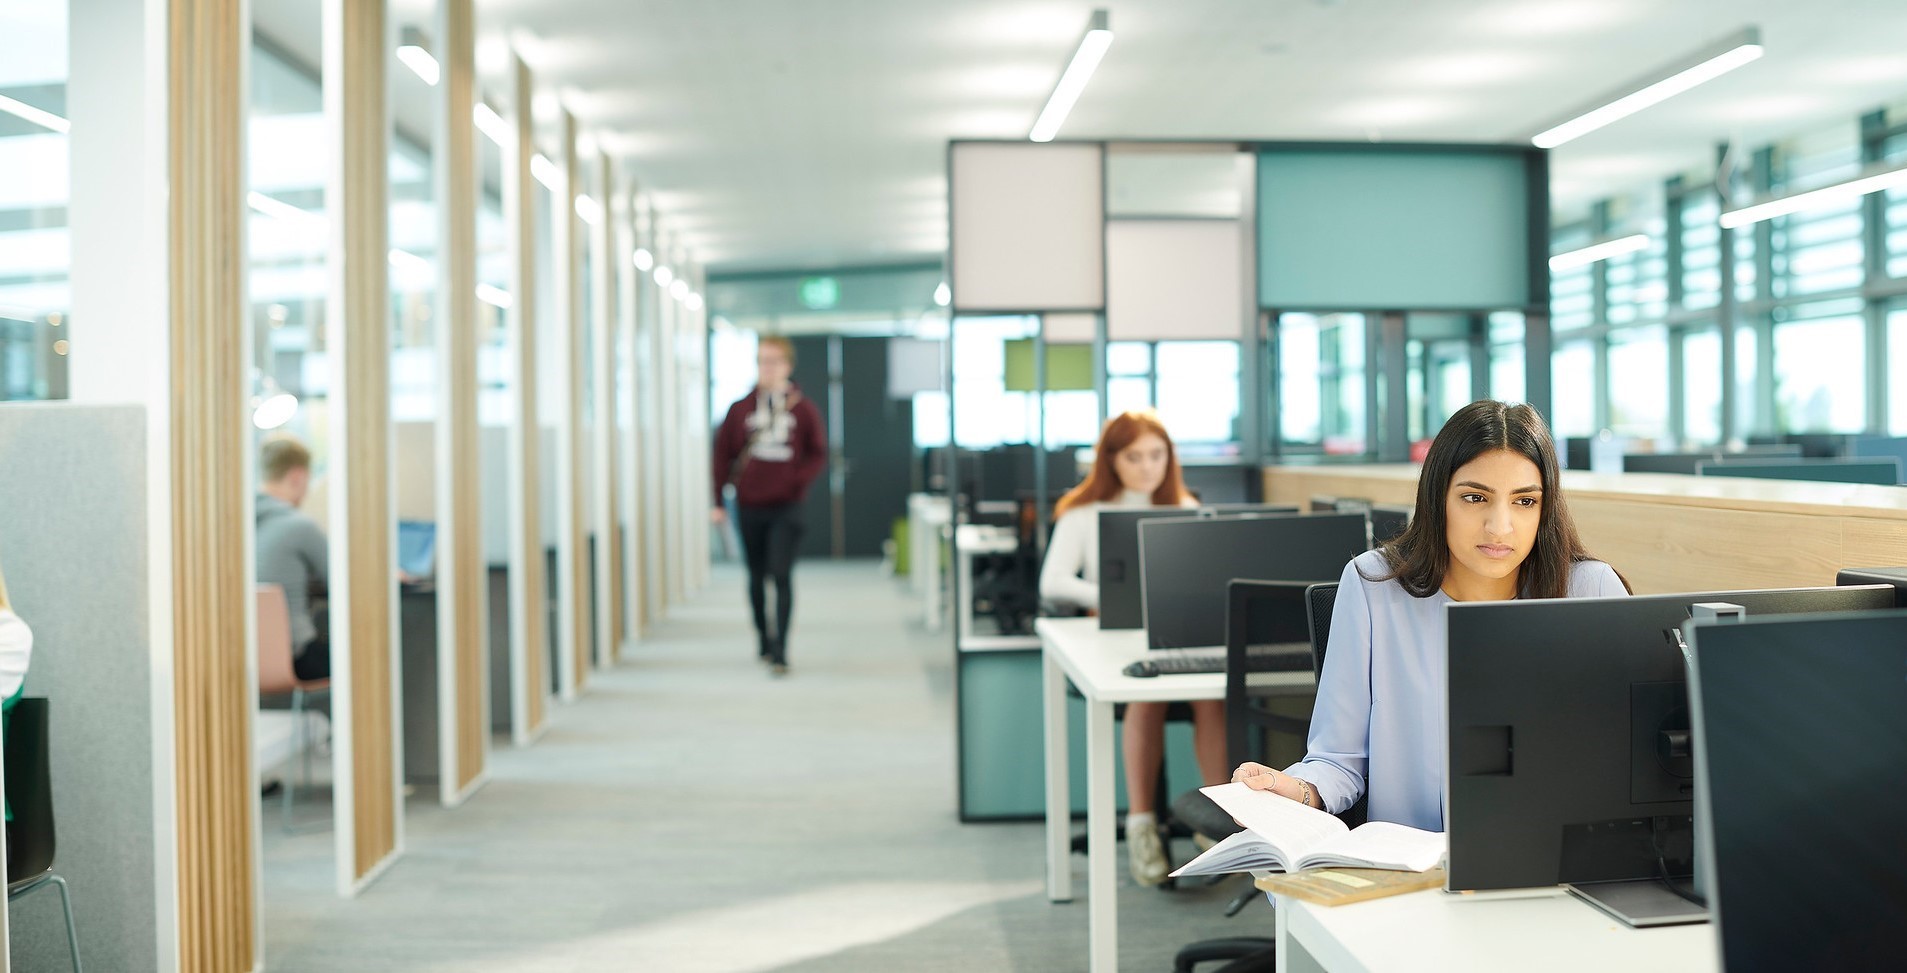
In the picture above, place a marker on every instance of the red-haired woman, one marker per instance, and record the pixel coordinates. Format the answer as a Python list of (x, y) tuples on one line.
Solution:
[(1134, 465)]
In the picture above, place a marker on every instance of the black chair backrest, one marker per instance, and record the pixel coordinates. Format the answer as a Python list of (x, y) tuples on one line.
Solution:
[(1319, 599), (30, 791)]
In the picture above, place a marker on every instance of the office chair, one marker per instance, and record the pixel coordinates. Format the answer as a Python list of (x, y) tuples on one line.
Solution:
[(1256, 954), (30, 787), (276, 677)]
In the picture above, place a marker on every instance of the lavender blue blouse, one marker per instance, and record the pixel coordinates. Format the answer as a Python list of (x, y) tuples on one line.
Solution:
[(1379, 719)]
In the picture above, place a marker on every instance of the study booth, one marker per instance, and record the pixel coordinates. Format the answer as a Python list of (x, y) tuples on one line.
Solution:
[(1216, 241), (1751, 638)]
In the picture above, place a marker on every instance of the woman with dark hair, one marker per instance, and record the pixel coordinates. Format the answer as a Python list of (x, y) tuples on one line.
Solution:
[(1134, 465), (1490, 525)]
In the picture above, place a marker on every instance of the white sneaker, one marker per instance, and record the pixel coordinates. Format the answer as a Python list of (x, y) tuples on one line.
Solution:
[(1145, 853)]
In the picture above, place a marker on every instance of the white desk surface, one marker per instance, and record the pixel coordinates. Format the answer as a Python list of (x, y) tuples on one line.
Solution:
[(1095, 660), (1549, 930)]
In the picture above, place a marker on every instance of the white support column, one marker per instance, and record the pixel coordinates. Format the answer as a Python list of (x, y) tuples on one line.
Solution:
[(652, 384), (628, 413), (123, 338), (566, 342), (604, 267)]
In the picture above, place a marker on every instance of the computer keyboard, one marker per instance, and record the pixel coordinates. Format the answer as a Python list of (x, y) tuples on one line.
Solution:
[(1174, 663)]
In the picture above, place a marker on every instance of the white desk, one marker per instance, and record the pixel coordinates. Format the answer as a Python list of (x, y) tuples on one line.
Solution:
[(1076, 649), (1421, 932), (928, 516)]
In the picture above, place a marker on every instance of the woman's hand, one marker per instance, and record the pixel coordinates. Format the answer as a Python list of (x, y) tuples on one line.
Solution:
[(1259, 777)]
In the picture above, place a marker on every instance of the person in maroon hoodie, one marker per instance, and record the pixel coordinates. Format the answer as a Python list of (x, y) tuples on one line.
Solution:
[(770, 448)]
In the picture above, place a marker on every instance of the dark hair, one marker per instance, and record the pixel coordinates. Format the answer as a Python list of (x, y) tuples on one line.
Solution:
[(1420, 556)]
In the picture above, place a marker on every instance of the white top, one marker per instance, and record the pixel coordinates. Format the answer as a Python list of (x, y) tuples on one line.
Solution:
[(1071, 573), (16, 650)]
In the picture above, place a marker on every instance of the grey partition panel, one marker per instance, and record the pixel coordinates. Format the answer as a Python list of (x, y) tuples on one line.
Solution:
[(73, 543)]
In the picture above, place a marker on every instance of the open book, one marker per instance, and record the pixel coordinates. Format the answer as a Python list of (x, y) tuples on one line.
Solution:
[(1283, 835)]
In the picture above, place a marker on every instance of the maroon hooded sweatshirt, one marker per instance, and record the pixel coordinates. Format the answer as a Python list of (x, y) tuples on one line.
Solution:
[(784, 447)]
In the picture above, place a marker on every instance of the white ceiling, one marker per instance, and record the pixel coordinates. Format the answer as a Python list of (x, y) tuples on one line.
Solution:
[(780, 134)]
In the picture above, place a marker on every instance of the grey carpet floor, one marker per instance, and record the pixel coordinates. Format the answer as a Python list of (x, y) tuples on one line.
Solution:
[(689, 814)]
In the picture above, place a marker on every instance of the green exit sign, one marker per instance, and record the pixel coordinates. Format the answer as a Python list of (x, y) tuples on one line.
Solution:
[(820, 293)]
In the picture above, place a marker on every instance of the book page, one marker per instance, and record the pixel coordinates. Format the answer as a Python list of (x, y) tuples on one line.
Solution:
[(1289, 827), (1381, 844), (1241, 852)]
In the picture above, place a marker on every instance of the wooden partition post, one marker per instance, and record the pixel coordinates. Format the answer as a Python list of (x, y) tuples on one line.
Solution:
[(462, 664), (213, 676), (529, 644), (369, 773)]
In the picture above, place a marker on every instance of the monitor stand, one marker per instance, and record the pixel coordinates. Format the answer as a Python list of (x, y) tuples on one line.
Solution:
[(1640, 903)]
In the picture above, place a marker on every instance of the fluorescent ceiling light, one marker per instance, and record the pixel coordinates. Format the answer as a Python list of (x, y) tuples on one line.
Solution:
[(643, 259), (491, 124), (545, 171), (494, 296), (275, 411), (588, 210), (414, 51), (679, 289), (41, 117), (664, 275), (1072, 82), (693, 301), (1816, 198), (277, 208), (943, 295), (1600, 251), (406, 260), (1710, 63)]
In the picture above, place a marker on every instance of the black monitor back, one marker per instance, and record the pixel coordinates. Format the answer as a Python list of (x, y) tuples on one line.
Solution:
[(1883, 470), (1557, 709), (1225, 484), (1119, 602), (1186, 564), (1796, 881), (1893, 576), (1388, 521)]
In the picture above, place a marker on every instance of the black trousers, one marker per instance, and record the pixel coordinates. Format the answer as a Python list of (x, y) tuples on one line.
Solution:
[(770, 536), (313, 662)]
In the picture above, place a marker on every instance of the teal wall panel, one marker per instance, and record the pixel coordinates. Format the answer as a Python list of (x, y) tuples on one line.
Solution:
[(1002, 735), (1345, 228)]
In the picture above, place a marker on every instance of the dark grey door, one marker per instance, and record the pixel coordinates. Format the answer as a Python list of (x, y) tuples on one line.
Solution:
[(877, 448)]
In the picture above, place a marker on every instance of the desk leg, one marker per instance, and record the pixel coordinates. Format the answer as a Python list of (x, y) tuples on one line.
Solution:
[(1102, 853), (1293, 956), (1059, 793)]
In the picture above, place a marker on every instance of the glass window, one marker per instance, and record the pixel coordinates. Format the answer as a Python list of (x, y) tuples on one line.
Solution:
[(1573, 388), (1321, 382), (1198, 390), (35, 289), (1897, 370), (1820, 385), (1506, 357), (1639, 382), (1701, 251), (987, 414)]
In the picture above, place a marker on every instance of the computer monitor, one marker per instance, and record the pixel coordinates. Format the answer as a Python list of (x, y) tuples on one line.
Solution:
[(1567, 735), (1119, 604), (1786, 712), (1322, 505), (417, 548), (1388, 521), (1186, 564), (1224, 484)]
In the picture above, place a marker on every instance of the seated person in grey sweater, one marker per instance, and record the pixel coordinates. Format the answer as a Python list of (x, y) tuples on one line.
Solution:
[(292, 551)]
